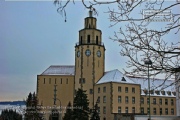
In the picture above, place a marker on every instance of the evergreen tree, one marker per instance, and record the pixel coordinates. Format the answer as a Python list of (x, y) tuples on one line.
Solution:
[(80, 106), (95, 113), (69, 112), (32, 108), (9, 114)]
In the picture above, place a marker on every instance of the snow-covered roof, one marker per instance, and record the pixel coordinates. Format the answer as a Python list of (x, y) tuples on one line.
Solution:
[(59, 70), (115, 76), (156, 85)]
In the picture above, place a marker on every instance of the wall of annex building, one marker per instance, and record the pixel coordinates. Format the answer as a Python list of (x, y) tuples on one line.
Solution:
[(45, 91), (103, 94), (177, 79), (126, 98), (159, 105)]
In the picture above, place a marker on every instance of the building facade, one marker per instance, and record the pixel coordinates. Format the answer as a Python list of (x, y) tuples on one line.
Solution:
[(177, 77), (117, 95)]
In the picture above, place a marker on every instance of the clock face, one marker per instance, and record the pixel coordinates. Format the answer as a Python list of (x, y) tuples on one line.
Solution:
[(99, 53), (78, 53), (88, 52)]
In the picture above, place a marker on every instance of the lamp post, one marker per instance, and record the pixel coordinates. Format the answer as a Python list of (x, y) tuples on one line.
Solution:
[(60, 114), (148, 62)]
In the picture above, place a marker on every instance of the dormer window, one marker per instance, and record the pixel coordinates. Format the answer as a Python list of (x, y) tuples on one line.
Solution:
[(157, 92), (152, 92), (174, 93), (123, 79), (163, 92), (169, 92), (145, 92)]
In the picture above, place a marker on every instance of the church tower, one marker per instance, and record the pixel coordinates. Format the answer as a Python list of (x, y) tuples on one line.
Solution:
[(89, 58)]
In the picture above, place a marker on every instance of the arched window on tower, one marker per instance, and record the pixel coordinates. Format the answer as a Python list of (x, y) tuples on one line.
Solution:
[(88, 39)]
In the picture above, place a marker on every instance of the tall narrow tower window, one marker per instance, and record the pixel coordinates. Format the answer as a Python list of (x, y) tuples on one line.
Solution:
[(97, 40), (88, 39), (81, 40)]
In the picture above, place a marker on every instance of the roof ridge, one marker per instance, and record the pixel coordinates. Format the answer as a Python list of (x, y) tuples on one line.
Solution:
[(62, 65), (116, 70)]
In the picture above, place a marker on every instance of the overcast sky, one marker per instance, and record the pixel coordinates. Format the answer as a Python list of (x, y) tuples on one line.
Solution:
[(34, 36)]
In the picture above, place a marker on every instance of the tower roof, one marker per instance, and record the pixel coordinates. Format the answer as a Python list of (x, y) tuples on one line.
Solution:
[(115, 76), (59, 70)]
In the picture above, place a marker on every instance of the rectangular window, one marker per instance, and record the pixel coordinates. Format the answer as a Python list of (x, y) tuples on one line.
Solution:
[(147, 110), (172, 111), (133, 100), (154, 111), (160, 101), (98, 100), (160, 111), (119, 89), (67, 81), (119, 99), (104, 99), (172, 102), (142, 100), (104, 110), (126, 99), (133, 109), (126, 89), (148, 100), (126, 110), (133, 90), (98, 109), (104, 89), (142, 110), (88, 40), (91, 91), (55, 81), (44, 80), (154, 100), (81, 80), (119, 109), (166, 101), (166, 111), (99, 89), (49, 80), (61, 80)]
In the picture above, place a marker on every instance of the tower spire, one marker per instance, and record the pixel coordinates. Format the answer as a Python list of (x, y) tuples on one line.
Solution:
[(90, 13)]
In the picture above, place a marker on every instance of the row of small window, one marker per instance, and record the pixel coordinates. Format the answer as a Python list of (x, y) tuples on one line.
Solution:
[(142, 110), (119, 110), (160, 111), (119, 89), (50, 81), (119, 99), (158, 92), (160, 101)]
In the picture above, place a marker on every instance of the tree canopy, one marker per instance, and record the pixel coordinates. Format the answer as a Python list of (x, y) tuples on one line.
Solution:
[(139, 38), (9, 114), (80, 106), (32, 109)]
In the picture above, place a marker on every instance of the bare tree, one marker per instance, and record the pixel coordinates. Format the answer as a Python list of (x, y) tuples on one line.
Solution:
[(138, 40)]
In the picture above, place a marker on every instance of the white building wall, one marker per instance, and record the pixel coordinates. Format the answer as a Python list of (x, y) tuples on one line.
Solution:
[(177, 77)]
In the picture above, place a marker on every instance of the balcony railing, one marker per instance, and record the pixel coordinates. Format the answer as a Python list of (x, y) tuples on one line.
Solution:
[(92, 43)]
